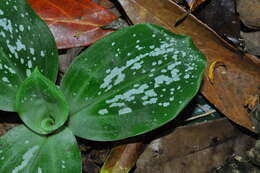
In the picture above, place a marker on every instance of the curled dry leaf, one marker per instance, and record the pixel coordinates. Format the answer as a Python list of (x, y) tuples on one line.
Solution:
[(73, 23), (212, 68), (194, 3), (191, 3), (231, 88), (122, 158), (251, 102)]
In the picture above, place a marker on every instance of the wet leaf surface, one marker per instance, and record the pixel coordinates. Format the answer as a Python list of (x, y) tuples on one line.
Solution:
[(22, 49), (35, 153), (73, 23), (41, 105), (231, 86), (146, 77)]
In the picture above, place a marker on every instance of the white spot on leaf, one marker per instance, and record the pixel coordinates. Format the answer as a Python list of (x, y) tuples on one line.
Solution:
[(26, 159)]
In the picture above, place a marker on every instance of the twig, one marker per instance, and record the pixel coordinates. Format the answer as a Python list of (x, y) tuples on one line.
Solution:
[(201, 115)]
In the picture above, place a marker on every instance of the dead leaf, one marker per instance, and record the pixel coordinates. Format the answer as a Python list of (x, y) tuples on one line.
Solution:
[(104, 3), (122, 158), (73, 23), (181, 18), (5, 127), (194, 149), (249, 12), (255, 114), (66, 59), (251, 102), (222, 17), (212, 68), (252, 42), (232, 87), (191, 3), (194, 3)]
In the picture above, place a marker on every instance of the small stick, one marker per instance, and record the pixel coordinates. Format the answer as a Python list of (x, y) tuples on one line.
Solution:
[(201, 115)]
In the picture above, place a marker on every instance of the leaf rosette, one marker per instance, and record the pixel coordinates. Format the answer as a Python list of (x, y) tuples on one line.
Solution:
[(40, 104)]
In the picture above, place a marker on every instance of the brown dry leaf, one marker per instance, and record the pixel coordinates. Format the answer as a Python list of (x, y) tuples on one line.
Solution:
[(191, 3), (4, 127), (194, 3), (194, 149), (222, 17), (249, 12), (122, 158), (232, 86), (212, 68), (251, 102)]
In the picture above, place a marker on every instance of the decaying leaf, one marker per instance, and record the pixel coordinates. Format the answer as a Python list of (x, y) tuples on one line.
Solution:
[(251, 102), (104, 3), (252, 42), (222, 17), (230, 89), (194, 149), (249, 12), (73, 23), (194, 3), (255, 113), (212, 68), (191, 3), (122, 158), (192, 6)]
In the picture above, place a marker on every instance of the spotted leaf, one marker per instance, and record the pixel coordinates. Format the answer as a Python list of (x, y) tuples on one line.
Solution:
[(25, 42), (131, 82), (40, 104), (22, 151)]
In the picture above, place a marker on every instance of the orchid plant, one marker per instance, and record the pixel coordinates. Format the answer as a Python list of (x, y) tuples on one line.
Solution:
[(128, 83)]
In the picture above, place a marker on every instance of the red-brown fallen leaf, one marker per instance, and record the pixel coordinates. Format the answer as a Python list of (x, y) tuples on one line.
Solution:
[(105, 3), (231, 87), (73, 22)]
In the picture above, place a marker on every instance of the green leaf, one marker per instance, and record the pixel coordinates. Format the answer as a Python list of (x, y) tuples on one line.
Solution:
[(40, 104), (22, 151), (131, 82), (25, 42)]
